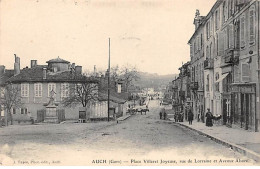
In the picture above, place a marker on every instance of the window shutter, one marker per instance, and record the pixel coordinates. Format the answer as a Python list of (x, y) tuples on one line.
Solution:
[(251, 25), (242, 31), (245, 73), (236, 74), (221, 43), (231, 36)]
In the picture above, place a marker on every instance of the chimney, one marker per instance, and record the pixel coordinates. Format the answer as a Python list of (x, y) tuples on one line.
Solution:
[(73, 65), (44, 73), (78, 69), (33, 63), (197, 19), (95, 70), (16, 65), (2, 69)]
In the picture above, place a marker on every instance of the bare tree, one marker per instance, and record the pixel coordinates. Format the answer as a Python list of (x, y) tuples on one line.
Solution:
[(10, 98), (129, 74), (115, 72), (81, 93)]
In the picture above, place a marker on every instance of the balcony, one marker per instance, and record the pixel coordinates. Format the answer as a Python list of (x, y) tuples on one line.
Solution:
[(231, 56), (194, 86), (208, 63)]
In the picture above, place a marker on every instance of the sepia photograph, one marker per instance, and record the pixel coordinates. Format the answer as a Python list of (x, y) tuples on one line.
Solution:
[(129, 83)]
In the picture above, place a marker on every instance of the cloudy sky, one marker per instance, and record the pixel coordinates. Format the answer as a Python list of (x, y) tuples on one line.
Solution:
[(150, 34)]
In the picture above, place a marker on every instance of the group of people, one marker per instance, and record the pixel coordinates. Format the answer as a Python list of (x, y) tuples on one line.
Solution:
[(163, 114), (209, 118)]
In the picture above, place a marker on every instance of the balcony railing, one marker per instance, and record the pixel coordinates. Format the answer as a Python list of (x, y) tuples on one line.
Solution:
[(208, 63), (231, 56)]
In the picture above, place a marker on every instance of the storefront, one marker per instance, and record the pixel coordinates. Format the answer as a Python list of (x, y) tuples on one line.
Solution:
[(243, 105)]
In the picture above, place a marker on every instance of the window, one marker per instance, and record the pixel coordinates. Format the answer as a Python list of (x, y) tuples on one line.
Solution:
[(245, 72), (119, 88), (78, 89), (208, 29), (210, 50), (225, 34), (252, 25), (207, 52), (231, 36), (217, 44), (217, 83), (51, 87), (207, 85), (37, 90), (14, 111), (64, 90), (23, 110), (201, 41), (216, 20), (24, 90), (242, 31)]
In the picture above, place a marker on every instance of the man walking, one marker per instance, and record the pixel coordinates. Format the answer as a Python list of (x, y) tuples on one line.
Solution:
[(190, 117)]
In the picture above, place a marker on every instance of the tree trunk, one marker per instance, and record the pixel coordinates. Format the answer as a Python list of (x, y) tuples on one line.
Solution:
[(11, 118), (6, 116)]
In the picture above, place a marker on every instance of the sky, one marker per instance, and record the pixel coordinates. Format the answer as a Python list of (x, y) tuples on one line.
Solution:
[(152, 35)]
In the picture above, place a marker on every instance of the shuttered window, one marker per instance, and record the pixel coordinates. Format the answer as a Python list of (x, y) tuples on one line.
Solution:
[(25, 90), (231, 36), (64, 90), (51, 87), (242, 31), (252, 25), (245, 72), (37, 90)]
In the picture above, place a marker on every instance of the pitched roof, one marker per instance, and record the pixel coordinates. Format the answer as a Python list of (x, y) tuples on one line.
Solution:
[(57, 60), (104, 97), (35, 74)]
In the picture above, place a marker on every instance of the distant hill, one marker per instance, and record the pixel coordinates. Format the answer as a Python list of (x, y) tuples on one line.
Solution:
[(153, 80)]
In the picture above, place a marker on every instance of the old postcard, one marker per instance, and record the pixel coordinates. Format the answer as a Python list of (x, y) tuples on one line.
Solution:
[(129, 83)]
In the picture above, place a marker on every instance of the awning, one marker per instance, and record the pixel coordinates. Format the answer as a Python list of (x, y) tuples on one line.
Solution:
[(222, 77)]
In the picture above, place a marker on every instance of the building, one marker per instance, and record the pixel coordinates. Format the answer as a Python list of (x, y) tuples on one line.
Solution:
[(43, 89), (197, 49), (227, 41)]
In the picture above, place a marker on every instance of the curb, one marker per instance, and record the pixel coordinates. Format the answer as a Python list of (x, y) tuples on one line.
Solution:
[(122, 119), (249, 153)]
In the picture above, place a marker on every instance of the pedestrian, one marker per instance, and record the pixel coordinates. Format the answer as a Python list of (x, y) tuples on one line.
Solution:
[(160, 114), (165, 115), (209, 118), (190, 117)]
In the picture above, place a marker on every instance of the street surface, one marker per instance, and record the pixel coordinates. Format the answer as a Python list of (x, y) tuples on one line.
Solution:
[(139, 140)]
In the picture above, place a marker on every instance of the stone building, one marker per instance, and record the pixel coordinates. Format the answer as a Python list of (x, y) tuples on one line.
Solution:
[(44, 85), (197, 54), (229, 36)]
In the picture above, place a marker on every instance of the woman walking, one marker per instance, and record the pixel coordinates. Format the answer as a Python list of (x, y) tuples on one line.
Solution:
[(209, 118)]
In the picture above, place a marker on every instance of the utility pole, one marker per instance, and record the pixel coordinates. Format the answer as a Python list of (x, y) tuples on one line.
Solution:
[(108, 81)]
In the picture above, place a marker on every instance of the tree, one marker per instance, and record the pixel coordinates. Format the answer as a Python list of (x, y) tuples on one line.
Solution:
[(82, 93), (10, 98), (129, 74)]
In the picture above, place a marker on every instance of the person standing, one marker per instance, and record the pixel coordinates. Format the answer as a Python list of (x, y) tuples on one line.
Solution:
[(209, 118), (190, 117)]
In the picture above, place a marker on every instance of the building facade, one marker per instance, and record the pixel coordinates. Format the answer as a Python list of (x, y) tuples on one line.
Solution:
[(197, 54), (227, 41)]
